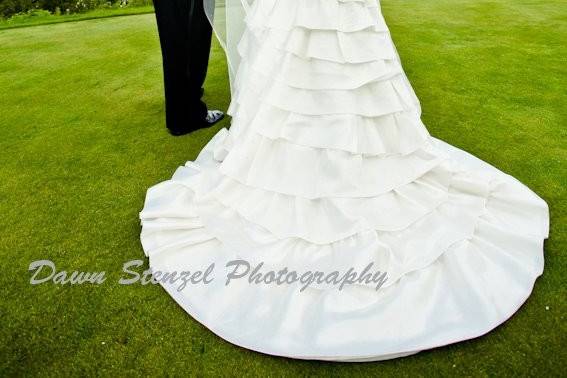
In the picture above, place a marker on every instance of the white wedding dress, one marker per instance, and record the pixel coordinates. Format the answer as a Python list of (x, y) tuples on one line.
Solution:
[(327, 166)]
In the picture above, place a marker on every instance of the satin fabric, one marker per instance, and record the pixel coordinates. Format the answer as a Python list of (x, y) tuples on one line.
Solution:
[(327, 166)]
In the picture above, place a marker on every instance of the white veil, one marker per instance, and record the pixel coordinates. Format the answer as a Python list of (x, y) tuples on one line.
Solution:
[(228, 20)]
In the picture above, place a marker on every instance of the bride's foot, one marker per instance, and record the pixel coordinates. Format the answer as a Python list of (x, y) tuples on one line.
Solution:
[(213, 117)]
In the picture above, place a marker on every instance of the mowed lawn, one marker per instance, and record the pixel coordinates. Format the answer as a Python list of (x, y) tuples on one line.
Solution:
[(82, 137)]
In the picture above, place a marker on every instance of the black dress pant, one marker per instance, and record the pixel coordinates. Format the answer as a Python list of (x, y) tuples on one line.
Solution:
[(185, 36)]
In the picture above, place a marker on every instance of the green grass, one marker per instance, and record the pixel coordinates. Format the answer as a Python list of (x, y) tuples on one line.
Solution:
[(42, 17), (82, 137)]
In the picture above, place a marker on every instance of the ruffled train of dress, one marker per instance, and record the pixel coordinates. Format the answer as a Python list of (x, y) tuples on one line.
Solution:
[(327, 166)]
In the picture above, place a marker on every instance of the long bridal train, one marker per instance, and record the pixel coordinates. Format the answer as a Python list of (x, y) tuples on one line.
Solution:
[(327, 166)]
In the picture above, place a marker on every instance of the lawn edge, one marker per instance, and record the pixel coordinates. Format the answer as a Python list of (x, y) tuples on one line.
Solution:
[(79, 19)]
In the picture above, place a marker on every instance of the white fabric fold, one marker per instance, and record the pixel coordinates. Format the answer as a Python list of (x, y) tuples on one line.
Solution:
[(328, 167)]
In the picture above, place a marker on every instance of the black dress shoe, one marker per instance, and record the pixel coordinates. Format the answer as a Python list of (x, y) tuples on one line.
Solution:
[(213, 117)]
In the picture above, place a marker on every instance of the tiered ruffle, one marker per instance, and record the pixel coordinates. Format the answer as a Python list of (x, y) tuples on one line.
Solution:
[(327, 167)]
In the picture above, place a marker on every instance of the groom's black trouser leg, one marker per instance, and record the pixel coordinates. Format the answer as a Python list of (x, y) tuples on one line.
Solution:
[(185, 36)]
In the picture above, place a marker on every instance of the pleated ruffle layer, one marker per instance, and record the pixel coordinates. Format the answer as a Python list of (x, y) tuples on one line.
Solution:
[(328, 167)]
